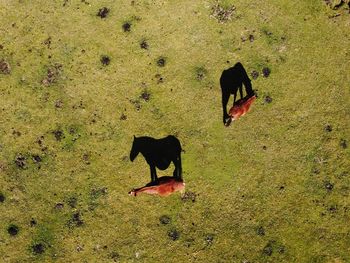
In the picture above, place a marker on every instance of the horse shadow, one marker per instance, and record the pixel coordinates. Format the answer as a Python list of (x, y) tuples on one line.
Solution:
[(231, 81), (158, 153)]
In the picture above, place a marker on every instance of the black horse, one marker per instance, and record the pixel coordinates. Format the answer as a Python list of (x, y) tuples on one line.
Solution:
[(231, 80), (159, 153)]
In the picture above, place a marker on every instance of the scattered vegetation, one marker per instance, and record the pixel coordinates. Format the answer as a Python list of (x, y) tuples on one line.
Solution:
[(53, 73), (161, 62), (201, 73), (335, 4), (13, 230), (222, 13), (103, 12), (126, 27), (5, 67), (273, 187), (144, 44), (105, 60)]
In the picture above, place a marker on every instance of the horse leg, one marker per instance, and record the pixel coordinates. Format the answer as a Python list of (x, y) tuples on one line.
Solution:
[(153, 174), (248, 86), (234, 97), (241, 91), (225, 98), (178, 168)]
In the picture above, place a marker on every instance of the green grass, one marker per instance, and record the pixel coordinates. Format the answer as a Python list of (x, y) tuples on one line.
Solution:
[(240, 187)]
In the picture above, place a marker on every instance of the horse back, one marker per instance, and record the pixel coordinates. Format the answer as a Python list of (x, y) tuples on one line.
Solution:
[(169, 144), (233, 78), (161, 151)]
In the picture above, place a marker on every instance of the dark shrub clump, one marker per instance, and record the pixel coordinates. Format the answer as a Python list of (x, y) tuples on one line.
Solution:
[(126, 27), (266, 72), (161, 62), (103, 12), (144, 44), (173, 234), (13, 230), (2, 198), (164, 219), (105, 60), (38, 249)]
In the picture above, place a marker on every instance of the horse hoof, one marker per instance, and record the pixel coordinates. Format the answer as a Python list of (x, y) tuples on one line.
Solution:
[(228, 122)]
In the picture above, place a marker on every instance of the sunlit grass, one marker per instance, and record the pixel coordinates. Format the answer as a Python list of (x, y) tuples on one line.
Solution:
[(273, 187)]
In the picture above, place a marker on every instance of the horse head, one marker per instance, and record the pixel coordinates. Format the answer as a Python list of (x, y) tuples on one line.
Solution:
[(134, 149)]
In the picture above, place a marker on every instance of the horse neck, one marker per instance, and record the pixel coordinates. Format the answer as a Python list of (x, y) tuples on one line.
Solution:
[(144, 143)]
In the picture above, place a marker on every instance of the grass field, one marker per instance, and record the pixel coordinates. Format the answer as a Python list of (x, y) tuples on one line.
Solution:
[(75, 87)]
